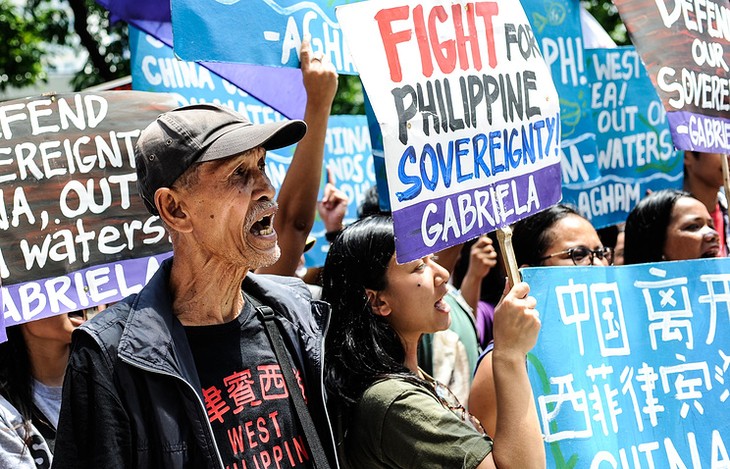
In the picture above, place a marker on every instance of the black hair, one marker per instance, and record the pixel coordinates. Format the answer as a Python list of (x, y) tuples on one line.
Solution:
[(16, 380), (531, 236), (370, 204), (646, 226), (361, 347)]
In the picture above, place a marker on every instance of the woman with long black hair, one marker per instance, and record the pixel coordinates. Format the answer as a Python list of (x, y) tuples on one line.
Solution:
[(387, 413), (32, 366)]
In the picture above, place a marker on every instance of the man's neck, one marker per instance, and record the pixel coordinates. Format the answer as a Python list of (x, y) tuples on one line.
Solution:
[(205, 292), (704, 193)]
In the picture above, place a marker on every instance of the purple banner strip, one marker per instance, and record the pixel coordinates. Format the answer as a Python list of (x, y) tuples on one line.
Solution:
[(100, 284), (433, 225), (151, 10), (3, 334), (698, 132)]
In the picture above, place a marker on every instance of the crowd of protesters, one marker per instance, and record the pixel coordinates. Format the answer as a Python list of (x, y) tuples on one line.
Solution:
[(419, 364)]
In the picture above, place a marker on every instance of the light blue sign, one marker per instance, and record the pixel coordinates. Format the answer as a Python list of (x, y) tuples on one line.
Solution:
[(635, 149), (557, 29), (263, 32), (632, 367), (348, 156)]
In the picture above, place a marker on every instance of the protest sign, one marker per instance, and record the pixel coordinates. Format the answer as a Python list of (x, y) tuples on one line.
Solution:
[(685, 46), (74, 231), (348, 157), (635, 149), (471, 141), (264, 32), (155, 68), (631, 367), (557, 29)]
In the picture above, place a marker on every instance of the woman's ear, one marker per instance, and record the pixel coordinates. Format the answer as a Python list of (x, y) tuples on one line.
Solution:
[(377, 305)]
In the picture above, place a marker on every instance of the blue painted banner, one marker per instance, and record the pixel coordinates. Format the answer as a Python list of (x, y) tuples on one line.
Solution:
[(685, 46), (557, 28), (263, 32), (468, 111), (74, 231), (632, 366), (348, 156), (347, 144), (635, 149)]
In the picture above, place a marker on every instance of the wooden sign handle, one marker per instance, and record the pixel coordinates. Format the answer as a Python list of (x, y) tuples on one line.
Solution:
[(504, 237)]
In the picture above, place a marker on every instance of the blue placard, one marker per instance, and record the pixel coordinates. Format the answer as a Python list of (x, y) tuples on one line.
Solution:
[(348, 156), (266, 32), (557, 29), (635, 149), (632, 366)]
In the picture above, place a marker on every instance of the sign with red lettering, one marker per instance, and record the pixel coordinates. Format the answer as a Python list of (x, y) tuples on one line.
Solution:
[(468, 111), (684, 45), (74, 231)]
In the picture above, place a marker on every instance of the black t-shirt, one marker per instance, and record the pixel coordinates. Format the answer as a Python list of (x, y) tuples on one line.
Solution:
[(253, 419)]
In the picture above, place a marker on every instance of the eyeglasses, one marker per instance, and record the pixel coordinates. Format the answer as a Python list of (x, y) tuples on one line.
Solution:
[(581, 255), (451, 402)]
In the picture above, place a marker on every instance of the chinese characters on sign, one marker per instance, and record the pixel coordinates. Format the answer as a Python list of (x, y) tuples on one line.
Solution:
[(631, 368)]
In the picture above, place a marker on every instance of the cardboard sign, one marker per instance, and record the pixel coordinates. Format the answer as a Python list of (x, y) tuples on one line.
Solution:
[(635, 149), (74, 231), (631, 368), (263, 32), (685, 47), (468, 113)]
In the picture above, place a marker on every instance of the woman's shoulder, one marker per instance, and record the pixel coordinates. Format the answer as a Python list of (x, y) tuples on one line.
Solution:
[(387, 394)]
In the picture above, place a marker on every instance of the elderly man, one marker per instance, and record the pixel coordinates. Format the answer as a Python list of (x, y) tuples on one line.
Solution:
[(195, 370)]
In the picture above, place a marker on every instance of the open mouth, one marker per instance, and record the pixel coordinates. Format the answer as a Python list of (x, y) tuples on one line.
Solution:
[(442, 306), (263, 226), (711, 252), (77, 317)]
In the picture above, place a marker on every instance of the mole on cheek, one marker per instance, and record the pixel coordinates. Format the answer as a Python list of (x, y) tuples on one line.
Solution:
[(212, 216), (419, 284)]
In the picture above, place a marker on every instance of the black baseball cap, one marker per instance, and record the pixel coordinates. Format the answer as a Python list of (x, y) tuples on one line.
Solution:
[(197, 133)]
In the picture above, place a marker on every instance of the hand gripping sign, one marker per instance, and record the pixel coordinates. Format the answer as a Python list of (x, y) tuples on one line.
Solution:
[(468, 112)]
